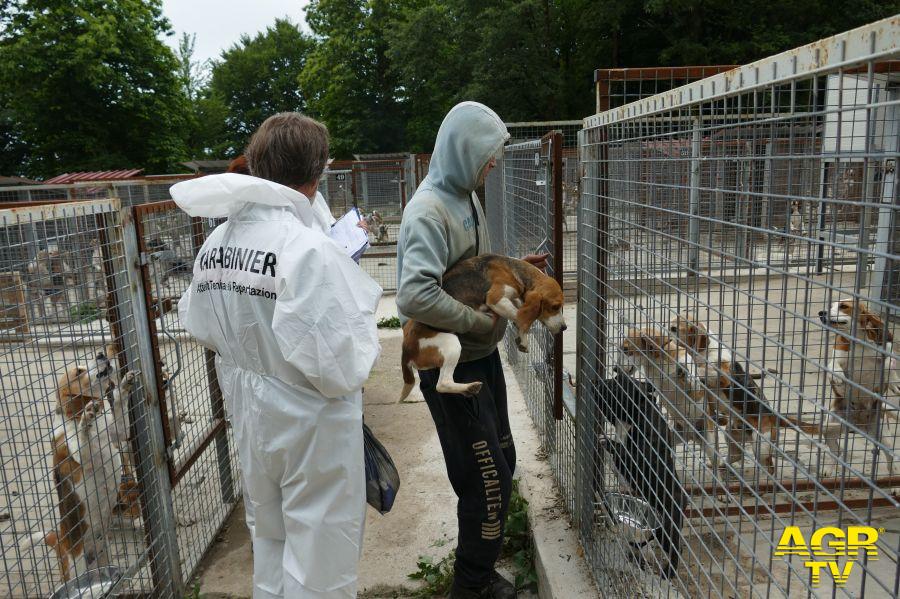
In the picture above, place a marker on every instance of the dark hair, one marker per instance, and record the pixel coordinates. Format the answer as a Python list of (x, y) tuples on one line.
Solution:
[(288, 148)]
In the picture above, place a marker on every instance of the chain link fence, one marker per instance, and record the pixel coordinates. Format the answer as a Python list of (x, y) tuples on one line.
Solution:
[(737, 383), (116, 454)]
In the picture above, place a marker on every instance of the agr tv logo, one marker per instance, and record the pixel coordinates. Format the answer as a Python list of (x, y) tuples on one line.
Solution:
[(826, 545)]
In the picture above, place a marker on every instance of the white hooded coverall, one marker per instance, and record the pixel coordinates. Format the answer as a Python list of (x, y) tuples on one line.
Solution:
[(292, 321)]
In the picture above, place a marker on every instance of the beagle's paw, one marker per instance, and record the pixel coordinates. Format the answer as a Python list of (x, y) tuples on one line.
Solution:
[(128, 382), (472, 389)]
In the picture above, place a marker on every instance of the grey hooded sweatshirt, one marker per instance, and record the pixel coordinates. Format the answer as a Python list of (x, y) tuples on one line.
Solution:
[(443, 224)]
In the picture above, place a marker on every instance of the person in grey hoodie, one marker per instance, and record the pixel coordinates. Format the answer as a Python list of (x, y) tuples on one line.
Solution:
[(443, 224)]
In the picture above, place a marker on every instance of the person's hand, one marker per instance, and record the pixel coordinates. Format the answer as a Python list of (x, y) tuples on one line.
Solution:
[(486, 323), (537, 260), (363, 225)]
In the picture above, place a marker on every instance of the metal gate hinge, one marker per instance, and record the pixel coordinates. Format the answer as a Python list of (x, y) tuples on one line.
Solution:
[(143, 259)]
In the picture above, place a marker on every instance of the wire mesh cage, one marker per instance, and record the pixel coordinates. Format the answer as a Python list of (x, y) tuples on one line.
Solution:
[(529, 209), (736, 376), (81, 489), (202, 458), (618, 87), (571, 178), (116, 454)]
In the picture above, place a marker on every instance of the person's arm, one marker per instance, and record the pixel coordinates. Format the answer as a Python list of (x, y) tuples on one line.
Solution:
[(324, 320), (419, 293)]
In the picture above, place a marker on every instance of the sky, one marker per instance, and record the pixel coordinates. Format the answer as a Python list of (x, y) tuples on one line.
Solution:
[(220, 23)]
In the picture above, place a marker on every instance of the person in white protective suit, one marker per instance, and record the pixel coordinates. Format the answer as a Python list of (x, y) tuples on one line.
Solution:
[(292, 321)]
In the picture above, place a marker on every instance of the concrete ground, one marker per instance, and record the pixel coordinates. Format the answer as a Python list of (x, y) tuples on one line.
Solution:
[(423, 519)]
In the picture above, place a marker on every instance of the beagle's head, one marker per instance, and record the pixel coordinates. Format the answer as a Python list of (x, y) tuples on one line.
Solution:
[(655, 346), (843, 313), (78, 386), (690, 333), (552, 303)]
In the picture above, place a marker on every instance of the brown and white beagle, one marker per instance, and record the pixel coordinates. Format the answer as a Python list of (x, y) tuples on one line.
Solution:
[(87, 474), (744, 411), (860, 370), (513, 289), (672, 371)]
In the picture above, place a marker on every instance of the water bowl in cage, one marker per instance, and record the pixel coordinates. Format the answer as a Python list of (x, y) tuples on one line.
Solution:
[(93, 584), (632, 515)]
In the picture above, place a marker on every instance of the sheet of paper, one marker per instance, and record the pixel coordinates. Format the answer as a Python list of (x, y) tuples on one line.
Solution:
[(347, 233)]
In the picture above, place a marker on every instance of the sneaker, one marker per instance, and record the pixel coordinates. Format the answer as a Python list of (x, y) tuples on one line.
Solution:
[(501, 588), (460, 592), (497, 588)]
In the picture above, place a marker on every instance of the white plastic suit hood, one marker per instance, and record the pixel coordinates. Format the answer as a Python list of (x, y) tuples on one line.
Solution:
[(469, 136), (218, 196)]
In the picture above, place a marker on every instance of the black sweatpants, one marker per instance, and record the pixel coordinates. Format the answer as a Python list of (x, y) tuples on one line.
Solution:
[(480, 457)]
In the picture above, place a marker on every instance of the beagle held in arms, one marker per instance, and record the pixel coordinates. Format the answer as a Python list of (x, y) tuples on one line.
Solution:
[(511, 288)]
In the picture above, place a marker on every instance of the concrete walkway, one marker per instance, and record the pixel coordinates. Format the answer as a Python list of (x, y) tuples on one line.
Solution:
[(423, 520)]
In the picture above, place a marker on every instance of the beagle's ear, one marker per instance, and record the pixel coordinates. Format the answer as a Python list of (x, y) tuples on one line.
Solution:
[(646, 343), (530, 310), (874, 327), (701, 338)]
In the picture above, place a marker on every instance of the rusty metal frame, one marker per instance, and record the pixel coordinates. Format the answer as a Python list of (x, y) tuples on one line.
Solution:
[(138, 212), (551, 147), (217, 431), (603, 78)]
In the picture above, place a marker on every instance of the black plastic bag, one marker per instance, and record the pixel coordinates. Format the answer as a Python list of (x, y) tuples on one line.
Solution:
[(382, 478)]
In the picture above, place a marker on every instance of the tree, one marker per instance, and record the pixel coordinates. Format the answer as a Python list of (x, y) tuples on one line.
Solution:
[(88, 84), (254, 79), (194, 74), (709, 32), (348, 78), (430, 66)]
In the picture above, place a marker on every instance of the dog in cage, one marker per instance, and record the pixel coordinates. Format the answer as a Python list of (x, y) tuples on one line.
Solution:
[(642, 455), (86, 473), (796, 219), (49, 278), (671, 370), (96, 277), (745, 413), (862, 373), (376, 225), (79, 386)]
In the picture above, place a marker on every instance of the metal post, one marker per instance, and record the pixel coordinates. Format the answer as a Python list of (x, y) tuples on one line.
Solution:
[(149, 445), (556, 179), (694, 224)]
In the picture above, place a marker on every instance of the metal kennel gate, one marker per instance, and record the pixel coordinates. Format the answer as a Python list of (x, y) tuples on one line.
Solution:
[(525, 216), (91, 283), (752, 202)]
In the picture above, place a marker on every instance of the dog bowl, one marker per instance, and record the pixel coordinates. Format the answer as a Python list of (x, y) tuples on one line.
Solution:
[(92, 584), (632, 515)]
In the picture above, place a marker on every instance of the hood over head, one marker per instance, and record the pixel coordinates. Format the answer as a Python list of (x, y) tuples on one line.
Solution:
[(469, 136), (217, 196)]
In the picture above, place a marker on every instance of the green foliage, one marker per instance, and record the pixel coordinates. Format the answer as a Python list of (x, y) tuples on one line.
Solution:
[(194, 593), (347, 77), (517, 546), (389, 323), (254, 79), (86, 312), (437, 576), (88, 84), (517, 541)]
